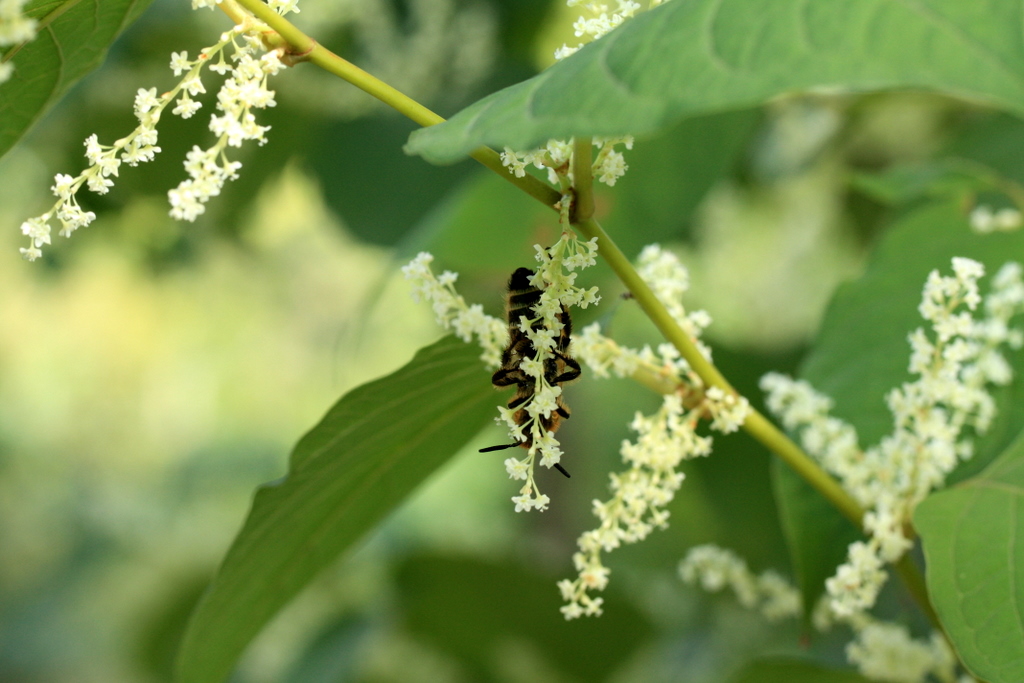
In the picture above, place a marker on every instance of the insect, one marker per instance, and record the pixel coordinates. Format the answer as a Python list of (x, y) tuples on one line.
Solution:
[(561, 367)]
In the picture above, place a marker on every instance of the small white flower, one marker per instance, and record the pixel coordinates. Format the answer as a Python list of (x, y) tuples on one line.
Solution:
[(517, 469), (146, 101), (180, 63), (63, 186), (37, 230), (30, 253), (186, 107)]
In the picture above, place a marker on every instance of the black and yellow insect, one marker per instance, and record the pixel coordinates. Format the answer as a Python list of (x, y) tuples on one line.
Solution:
[(560, 368)]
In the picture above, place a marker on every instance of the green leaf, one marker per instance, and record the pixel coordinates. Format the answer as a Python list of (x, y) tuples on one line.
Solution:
[(862, 352), (477, 610), (73, 39), (689, 58), (481, 226), (817, 536), (991, 140), (670, 175), (973, 537), (363, 194), (372, 449), (334, 653), (904, 184), (793, 671)]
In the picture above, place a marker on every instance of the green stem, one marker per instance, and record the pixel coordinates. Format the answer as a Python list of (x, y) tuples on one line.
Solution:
[(301, 44), (1010, 188), (583, 178), (756, 424)]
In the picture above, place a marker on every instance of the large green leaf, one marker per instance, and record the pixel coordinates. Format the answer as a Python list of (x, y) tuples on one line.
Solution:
[(72, 41), (862, 352), (793, 671), (973, 537), (376, 445), (691, 57)]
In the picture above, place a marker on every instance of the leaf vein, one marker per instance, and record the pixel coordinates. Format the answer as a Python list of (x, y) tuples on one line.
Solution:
[(717, 59)]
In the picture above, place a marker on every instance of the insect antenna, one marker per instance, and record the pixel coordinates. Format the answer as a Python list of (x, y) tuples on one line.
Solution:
[(498, 448)]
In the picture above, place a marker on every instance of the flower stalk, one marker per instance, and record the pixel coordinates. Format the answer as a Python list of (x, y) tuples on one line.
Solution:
[(583, 178)]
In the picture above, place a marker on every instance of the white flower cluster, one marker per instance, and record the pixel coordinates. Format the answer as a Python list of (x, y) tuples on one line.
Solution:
[(716, 568), (244, 90), (556, 156), (881, 651), (15, 27), (886, 652), (557, 284), (669, 280), (605, 357), (451, 309), (664, 440), (639, 496), (954, 363), (984, 220), (556, 280), (600, 20)]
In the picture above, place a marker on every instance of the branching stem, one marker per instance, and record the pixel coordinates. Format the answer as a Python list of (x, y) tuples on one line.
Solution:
[(756, 424)]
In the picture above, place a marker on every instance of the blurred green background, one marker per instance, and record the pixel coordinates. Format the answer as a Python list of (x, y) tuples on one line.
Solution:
[(152, 373)]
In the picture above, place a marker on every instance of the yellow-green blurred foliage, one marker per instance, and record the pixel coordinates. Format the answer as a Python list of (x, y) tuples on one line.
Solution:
[(144, 394)]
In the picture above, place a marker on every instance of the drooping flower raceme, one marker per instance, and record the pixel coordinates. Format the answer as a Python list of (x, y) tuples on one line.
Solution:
[(555, 277), (452, 312), (664, 440), (954, 363), (715, 568), (880, 650), (244, 90), (556, 280)]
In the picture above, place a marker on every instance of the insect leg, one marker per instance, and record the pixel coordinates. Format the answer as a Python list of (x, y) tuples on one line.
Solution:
[(571, 373)]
